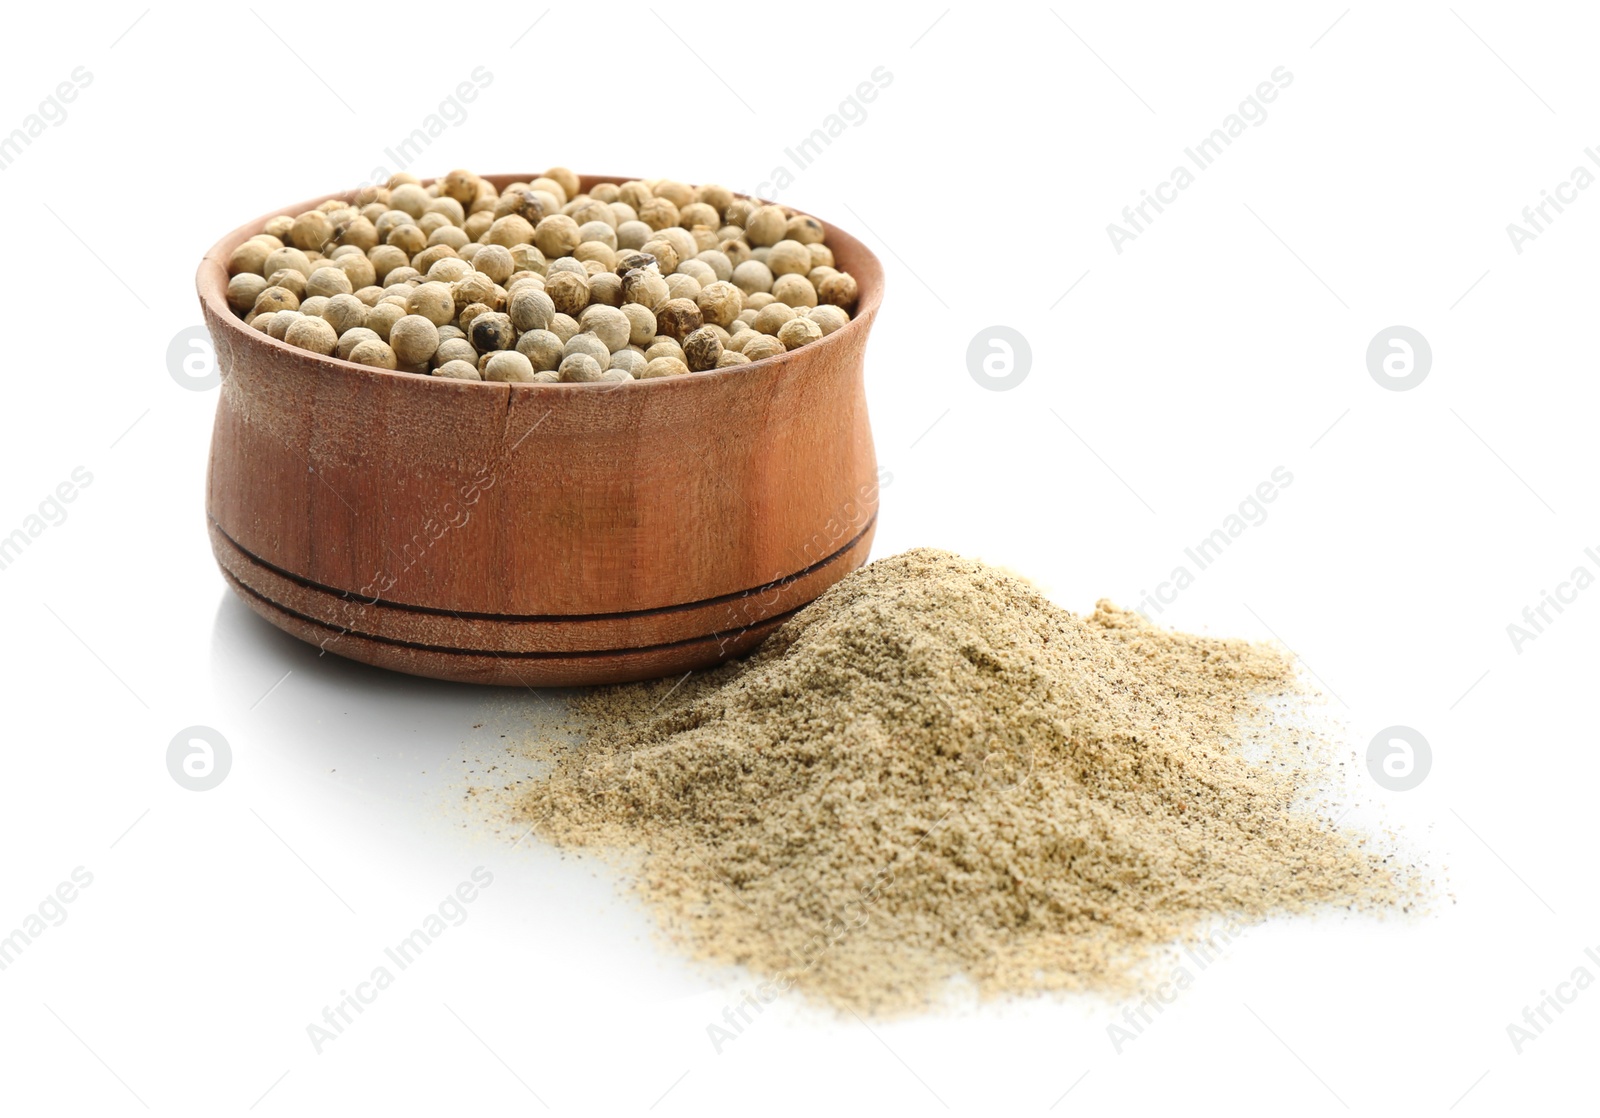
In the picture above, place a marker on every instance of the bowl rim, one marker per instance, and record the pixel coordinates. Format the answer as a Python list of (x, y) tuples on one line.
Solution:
[(211, 282)]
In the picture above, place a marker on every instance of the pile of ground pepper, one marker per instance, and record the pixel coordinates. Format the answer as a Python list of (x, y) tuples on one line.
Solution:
[(932, 777)]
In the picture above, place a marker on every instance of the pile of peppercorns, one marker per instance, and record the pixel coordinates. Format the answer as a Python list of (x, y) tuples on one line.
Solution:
[(542, 282)]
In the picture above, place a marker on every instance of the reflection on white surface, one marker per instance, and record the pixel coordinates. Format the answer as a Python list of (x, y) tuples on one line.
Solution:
[(381, 732), (415, 773)]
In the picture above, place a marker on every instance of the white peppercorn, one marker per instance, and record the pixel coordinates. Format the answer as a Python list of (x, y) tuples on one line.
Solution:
[(276, 299), (762, 346), (374, 354), (633, 234), (569, 291), (313, 334), (433, 302), (414, 339), (531, 309), (789, 257), (563, 326), (702, 349), (699, 269), (794, 290), (805, 229), (798, 332), (474, 287), (250, 257), (591, 345), (345, 312), (492, 331), (557, 235), (658, 213), (605, 288), (290, 258), (840, 290), (629, 360), (597, 251), (352, 338), (683, 242), (566, 179), (564, 264), (508, 366), (311, 230), (409, 239), (752, 276), (663, 367), (244, 289), (770, 319), (382, 316), (580, 368), (358, 270), (449, 209), (513, 229), (458, 370), (645, 287), (455, 349), (528, 258), (542, 348), (278, 323), (717, 260), (409, 197), (677, 318), (720, 302), (453, 237), (641, 323), (600, 231), (608, 324), (829, 317), (665, 347), (731, 357), (765, 226), (680, 286), (666, 257), (441, 263), (385, 259)]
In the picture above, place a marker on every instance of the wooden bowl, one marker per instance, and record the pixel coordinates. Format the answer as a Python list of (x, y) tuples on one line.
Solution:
[(537, 534)]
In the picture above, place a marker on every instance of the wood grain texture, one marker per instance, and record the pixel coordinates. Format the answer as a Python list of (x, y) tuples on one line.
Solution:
[(543, 535)]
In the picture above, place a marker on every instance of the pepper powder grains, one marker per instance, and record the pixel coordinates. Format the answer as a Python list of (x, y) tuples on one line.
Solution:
[(933, 774)]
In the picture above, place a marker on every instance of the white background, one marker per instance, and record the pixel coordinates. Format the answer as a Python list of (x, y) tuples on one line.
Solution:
[(1227, 340)]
